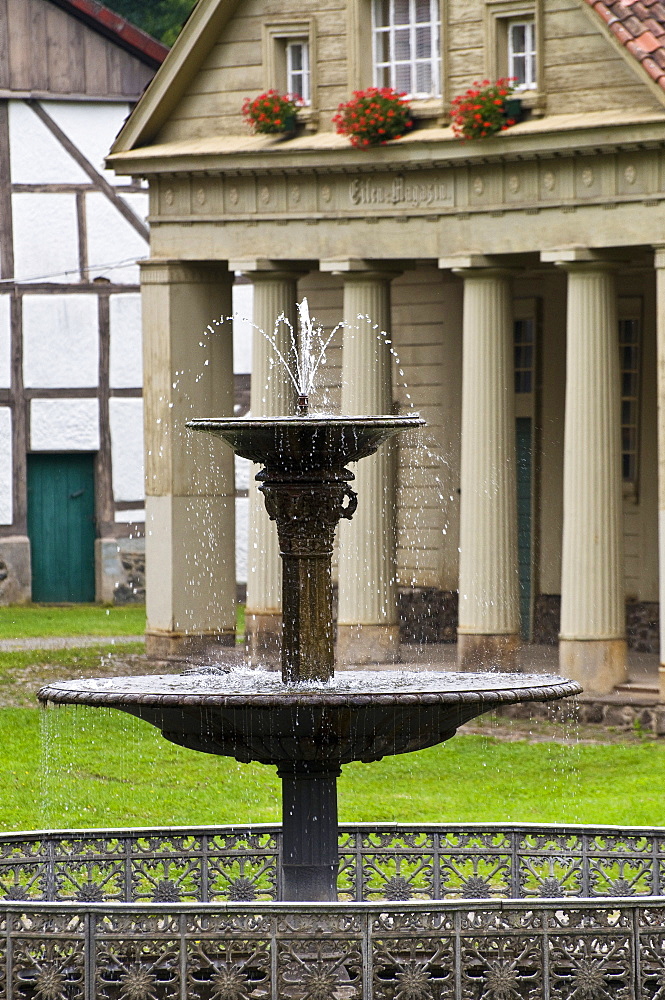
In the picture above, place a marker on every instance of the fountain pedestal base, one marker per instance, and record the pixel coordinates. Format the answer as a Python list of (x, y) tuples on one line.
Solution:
[(310, 840)]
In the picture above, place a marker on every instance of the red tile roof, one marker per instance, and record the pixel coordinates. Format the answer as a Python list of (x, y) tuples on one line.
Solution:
[(115, 27), (639, 25)]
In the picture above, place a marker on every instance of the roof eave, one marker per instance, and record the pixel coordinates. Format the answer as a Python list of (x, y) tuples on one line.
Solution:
[(116, 28), (439, 151)]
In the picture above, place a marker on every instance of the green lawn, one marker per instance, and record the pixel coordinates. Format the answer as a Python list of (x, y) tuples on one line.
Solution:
[(37, 620), (101, 768)]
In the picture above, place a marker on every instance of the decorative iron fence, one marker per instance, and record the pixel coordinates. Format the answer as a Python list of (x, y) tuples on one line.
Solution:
[(377, 862), (496, 950)]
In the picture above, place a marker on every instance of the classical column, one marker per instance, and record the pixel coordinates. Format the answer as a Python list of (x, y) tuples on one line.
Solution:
[(190, 492), (592, 643), (272, 394), (488, 629), (659, 260), (367, 620)]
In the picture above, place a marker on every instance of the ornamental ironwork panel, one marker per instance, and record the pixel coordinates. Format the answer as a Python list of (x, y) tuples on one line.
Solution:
[(389, 862), (456, 950)]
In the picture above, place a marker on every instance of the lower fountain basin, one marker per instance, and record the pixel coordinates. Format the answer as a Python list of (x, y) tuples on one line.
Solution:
[(359, 716)]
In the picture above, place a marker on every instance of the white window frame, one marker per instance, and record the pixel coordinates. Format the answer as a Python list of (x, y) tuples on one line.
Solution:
[(529, 54), (300, 87), (278, 36), (433, 59)]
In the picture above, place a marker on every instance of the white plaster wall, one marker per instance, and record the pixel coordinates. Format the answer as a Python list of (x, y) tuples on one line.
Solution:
[(64, 425), (130, 516), (243, 310), (35, 154), (242, 534), (6, 474), (60, 341), (126, 353), (5, 342), (126, 418), (111, 239), (92, 127), (46, 242)]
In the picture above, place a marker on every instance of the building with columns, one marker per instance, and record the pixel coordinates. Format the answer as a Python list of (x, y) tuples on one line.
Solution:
[(518, 281)]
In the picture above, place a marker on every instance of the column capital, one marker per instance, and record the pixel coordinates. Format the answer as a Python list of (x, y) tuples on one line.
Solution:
[(360, 268), (468, 261), (264, 267), (573, 256), (156, 271)]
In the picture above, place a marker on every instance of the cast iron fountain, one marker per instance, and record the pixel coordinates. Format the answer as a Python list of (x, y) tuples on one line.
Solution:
[(452, 910), (310, 723)]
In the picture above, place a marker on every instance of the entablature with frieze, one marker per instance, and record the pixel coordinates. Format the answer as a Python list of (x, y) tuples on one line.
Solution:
[(425, 189)]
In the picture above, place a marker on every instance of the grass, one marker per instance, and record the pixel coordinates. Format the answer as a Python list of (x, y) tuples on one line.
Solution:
[(92, 767), (101, 768), (23, 672), (32, 621)]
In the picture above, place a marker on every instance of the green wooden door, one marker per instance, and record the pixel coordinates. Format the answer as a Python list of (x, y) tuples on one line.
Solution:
[(61, 526), (524, 519)]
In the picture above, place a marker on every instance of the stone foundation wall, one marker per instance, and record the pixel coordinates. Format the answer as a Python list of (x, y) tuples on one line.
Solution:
[(642, 626), (15, 570), (427, 614), (430, 615), (131, 588)]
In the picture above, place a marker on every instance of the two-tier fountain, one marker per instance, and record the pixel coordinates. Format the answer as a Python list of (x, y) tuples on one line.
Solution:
[(309, 723)]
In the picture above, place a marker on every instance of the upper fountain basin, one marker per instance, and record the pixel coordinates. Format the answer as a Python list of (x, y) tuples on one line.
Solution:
[(359, 715), (305, 445)]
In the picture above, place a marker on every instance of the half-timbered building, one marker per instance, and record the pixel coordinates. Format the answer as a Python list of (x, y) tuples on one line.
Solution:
[(519, 277), (71, 449)]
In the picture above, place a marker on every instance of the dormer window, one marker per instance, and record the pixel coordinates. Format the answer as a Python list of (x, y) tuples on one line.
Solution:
[(406, 35), (289, 62), (522, 54), (297, 69)]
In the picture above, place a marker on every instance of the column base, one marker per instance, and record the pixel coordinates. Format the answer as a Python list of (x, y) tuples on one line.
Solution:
[(598, 664), (179, 646), (359, 644), (487, 652), (263, 640)]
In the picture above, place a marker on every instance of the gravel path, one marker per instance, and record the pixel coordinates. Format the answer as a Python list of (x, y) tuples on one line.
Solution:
[(66, 642)]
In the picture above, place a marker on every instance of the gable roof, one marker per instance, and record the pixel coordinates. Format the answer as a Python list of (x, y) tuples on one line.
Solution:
[(117, 29), (638, 27), (191, 47)]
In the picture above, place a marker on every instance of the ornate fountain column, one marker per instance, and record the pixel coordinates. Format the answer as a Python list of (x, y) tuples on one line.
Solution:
[(367, 621), (592, 646), (190, 491), (272, 394), (659, 261), (488, 630)]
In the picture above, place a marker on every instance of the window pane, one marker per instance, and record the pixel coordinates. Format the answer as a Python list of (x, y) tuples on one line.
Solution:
[(403, 79), (382, 13), (423, 78), (401, 12), (423, 42), (518, 70), (518, 38), (402, 45), (382, 76), (296, 57), (423, 11), (383, 47)]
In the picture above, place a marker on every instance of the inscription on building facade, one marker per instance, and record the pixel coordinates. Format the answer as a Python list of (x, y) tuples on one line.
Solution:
[(365, 192)]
